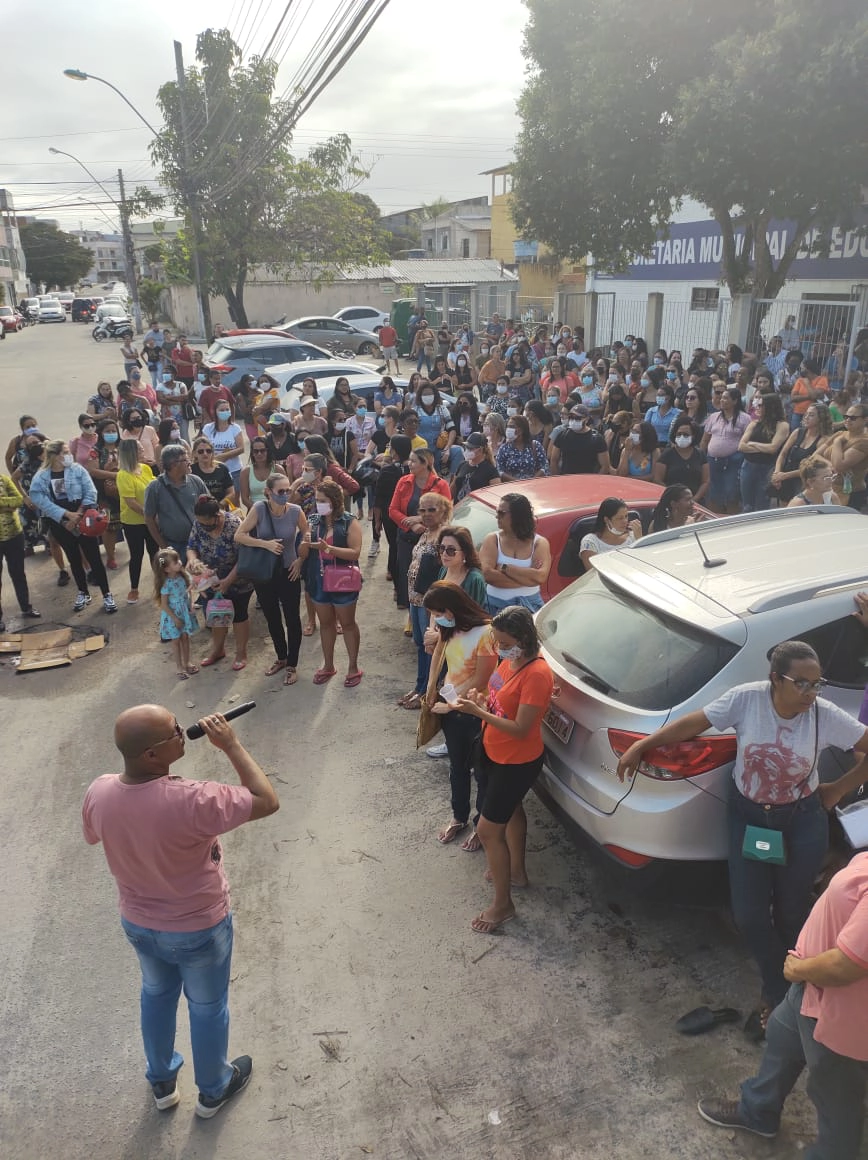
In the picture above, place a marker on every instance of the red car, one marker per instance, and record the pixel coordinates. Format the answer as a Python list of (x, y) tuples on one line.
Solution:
[(566, 508), (11, 319)]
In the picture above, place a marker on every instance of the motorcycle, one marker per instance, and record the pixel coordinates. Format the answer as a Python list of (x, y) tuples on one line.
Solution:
[(112, 328)]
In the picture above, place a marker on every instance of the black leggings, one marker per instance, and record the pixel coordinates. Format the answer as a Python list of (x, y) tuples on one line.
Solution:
[(74, 546), (138, 538), (284, 594), (12, 551), (391, 532)]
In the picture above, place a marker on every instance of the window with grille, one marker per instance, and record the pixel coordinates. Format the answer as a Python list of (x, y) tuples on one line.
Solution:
[(704, 298)]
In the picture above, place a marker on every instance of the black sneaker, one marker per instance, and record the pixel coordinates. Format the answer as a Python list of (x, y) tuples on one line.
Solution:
[(166, 1094), (62, 578), (726, 1114), (242, 1068)]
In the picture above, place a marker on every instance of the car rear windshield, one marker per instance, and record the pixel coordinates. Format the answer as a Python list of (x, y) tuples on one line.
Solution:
[(628, 650), (478, 518)]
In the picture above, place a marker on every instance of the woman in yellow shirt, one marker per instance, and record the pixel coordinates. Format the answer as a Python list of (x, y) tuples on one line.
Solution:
[(132, 479), (12, 547)]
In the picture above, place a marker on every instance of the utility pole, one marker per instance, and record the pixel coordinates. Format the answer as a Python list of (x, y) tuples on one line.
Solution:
[(192, 201), (129, 255)]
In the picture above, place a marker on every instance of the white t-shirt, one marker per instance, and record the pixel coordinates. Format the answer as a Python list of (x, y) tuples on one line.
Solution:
[(776, 753), (592, 543), (224, 441)]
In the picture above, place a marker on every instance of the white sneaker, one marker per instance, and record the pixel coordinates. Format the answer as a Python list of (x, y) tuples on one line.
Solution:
[(81, 601), (374, 549), (438, 751), (108, 603)]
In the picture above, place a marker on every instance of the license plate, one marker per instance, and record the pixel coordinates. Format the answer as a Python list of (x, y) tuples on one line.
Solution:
[(560, 724)]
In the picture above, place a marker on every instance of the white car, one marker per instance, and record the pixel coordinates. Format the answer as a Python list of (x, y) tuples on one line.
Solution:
[(50, 310), (364, 317), (293, 374), (111, 310)]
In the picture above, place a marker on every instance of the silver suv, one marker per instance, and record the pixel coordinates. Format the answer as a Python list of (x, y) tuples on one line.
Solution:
[(663, 628)]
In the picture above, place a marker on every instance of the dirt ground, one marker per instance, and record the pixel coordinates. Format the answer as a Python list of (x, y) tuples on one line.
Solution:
[(379, 1023)]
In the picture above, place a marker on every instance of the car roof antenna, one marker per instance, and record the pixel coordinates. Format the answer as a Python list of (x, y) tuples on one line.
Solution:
[(708, 562)]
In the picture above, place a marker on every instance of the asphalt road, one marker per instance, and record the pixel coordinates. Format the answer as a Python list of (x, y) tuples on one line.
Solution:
[(378, 1022)]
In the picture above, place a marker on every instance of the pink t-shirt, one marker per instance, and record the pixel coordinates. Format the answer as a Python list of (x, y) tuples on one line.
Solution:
[(840, 919), (160, 841), (725, 435)]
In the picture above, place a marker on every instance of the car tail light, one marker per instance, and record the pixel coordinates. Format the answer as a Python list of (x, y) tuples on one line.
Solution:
[(629, 857), (683, 759), (223, 367)]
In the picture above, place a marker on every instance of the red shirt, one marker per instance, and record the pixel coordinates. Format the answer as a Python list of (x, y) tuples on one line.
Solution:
[(182, 357), (209, 399), (388, 336), (404, 493)]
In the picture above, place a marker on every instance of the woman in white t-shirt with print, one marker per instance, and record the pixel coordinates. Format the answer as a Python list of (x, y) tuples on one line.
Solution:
[(227, 439), (781, 727), (613, 529)]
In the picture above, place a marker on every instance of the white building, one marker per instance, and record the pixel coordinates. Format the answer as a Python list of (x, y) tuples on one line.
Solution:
[(13, 264), (108, 256)]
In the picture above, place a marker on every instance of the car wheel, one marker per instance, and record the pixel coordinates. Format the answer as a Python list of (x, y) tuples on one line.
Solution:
[(365, 348)]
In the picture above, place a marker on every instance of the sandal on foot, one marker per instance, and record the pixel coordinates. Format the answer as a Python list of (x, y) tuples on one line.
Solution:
[(486, 877), (450, 833), (471, 843), (308, 630), (353, 679), (207, 662), (322, 675), (182, 676), (411, 701), (192, 670), (483, 925), (290, 676), (275, 668), (237, 666)]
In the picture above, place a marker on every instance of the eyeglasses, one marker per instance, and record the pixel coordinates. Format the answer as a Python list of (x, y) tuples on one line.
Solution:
[(447, 550), (804, 686), (177, 734), (281, 491), (259, 450), (204, 450), (847, 418)]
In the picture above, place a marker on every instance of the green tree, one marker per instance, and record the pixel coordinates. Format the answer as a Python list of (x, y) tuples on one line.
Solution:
[(260, 205), (754, 108), (149, 296), (53, 257)]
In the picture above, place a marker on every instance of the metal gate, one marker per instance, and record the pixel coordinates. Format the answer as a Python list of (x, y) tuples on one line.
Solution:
[(815, 326)]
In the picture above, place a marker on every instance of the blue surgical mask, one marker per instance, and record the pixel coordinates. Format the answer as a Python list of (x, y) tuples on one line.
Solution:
[(200, 378), (445, 621), (31, 430), (658, 361), (381, 420), (671, 376), (361, 412), (167, 378), (301, 443), (587, 380), (110, 437), (645, 382), (510, 654)]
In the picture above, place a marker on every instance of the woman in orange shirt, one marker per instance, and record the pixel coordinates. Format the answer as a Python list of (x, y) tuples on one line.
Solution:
[(809, 387), (512, 710)]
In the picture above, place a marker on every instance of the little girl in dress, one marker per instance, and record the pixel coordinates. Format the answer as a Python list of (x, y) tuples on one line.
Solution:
[(177, 620)]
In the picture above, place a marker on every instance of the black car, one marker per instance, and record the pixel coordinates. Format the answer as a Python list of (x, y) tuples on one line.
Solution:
[(83, 309)]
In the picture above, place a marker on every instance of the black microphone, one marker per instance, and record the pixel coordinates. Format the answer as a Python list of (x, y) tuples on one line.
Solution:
[(196, 731)]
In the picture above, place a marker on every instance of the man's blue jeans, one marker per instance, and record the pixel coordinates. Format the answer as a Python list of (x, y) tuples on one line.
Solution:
[(836, 1084), (198, 961)]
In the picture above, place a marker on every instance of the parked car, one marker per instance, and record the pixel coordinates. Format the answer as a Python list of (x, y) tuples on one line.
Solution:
[(65, 299), (292, 375), (10, 319), (274, 332), (50, 310), (323, 330), (82, 309), (660, 629), (253, 353), (566, 507), (365, 317), (109, 309), (364, 386)]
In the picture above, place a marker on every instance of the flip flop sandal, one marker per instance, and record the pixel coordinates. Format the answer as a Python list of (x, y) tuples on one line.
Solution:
[(702, 1019), (414, 701), (322, 675), (308, 630), (290, 676), (485, 925), (192, 670), (183, 676), (353, 679), (451, 832), (277, 667), (209, 661), (237, 666), (471, 844)]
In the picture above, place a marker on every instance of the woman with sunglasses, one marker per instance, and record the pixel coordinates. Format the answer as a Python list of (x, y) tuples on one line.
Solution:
[(781, 727), (434, 513), (254, 477), (83, 445), (515, 560), (214, 475), (276, 524)]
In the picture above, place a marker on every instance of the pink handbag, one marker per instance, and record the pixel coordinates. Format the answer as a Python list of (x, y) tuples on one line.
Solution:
[(341, 578)]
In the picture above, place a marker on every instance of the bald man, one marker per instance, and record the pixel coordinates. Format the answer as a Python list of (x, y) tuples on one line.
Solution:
[(159, 833)]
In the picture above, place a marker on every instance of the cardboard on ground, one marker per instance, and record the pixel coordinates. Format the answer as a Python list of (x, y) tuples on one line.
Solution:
[(48, 649)]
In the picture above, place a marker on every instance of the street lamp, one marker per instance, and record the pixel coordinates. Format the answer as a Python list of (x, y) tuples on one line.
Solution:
[(76, 74), (129, 255)]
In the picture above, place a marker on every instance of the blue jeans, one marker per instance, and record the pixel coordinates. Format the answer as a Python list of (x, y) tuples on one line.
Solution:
[(723, 479), (460, 732), (770, 903), (426, 359), (198, 961), (419, 618), (836, 1084), (753, 479), (495, 604)]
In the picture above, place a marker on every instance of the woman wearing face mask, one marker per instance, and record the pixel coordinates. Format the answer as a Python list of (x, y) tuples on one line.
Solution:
[(169, 434), (464, 643), (275, 523), (132, 478), (557, 379), (615, 397), (478, 469), (682, 461), (404, 511), (214, 475), (590, 391), (61, 492), (362, 425), (515, 560), (664, 413), (723, 433), (465, 415), (817, 479), (520, 457), (521, 376), (173, 400), (617, 436), (613, 529), (498, 402), (759, 445), (227, 439), (134, 425), (674, 510), (511, 710), (388, 395), (641, 452), (342, 442), (434, 513), (540, 422), (103, 468), (437, 428), (28, 462), (245, 393), (334, 538), (494, 430), (803, 443), (255, 476), (84, 444), (464, 377)]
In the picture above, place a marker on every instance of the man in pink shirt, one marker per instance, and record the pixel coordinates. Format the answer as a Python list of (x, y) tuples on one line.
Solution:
[(822, 1024), (159, 833)]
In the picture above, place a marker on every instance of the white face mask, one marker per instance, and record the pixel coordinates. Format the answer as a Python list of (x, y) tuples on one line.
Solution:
[(683, 440), (340, 426), (469, 454), (577, 424), (502, 388), (68, 460), (427, 400), (635, 436), (828, 496), (308, 476), (323, 509), (511, 434), (511, 412)]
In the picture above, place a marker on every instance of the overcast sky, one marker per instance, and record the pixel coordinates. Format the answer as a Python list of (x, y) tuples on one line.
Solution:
[(429, 98)]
